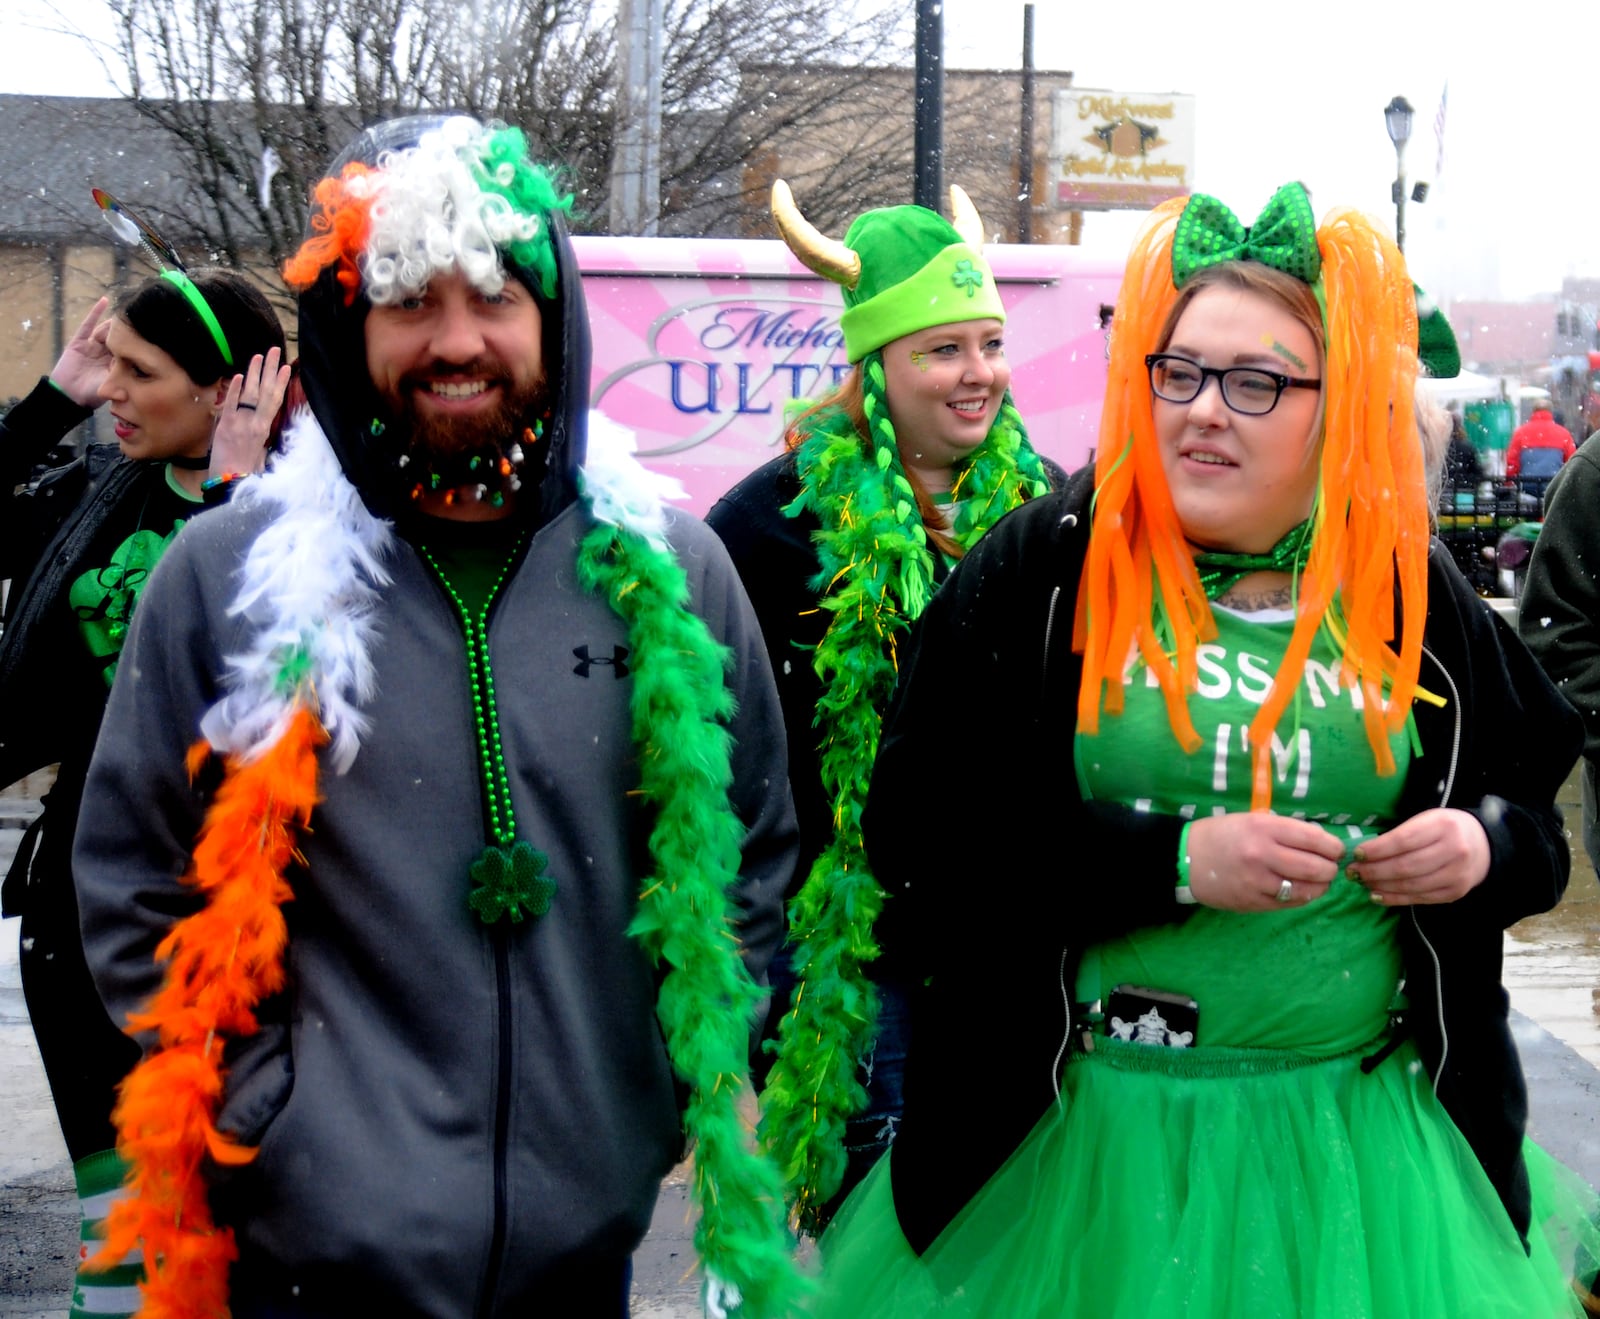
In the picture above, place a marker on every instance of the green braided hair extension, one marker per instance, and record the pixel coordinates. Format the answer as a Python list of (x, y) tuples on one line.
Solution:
[(876, 577), (707, 1000), (502, 168)]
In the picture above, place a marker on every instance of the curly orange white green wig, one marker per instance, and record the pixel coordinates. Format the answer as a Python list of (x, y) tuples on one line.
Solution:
[(456, 200), (1140, 587)]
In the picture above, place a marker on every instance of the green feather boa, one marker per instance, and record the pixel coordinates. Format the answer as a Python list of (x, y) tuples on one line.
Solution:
[(707, 1001), (877, 577)]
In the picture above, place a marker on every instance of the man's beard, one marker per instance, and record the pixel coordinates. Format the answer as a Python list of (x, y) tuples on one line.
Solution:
[(433, 440)]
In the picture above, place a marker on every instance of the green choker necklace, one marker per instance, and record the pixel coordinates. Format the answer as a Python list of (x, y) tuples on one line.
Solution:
[(508, 878), (1220, 573)]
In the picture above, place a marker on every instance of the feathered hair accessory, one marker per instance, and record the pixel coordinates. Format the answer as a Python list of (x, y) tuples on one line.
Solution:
[(1140, 588), (462, 198)]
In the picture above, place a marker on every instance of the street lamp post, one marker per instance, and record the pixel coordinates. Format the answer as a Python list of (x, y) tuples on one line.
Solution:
[(1397, 118)]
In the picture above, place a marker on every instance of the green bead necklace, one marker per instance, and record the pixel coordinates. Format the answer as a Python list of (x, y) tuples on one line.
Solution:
[(508, 877)]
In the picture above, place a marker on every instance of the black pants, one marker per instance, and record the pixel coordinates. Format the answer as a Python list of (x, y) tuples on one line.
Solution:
[(592, 1290), (85, 1054)]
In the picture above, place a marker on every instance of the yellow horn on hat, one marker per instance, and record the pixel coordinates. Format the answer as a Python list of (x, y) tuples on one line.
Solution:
[(965, 220), (827, 256)]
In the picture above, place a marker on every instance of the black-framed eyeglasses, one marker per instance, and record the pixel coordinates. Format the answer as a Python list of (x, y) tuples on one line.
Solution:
[(1246, 389)]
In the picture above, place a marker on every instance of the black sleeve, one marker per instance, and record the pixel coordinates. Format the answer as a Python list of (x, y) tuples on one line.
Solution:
[(1519, 740), (777, 563), (28, 432), (1559, 614)]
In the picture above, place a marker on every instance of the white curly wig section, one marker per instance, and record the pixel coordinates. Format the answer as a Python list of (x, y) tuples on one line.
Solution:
[(430, 217)]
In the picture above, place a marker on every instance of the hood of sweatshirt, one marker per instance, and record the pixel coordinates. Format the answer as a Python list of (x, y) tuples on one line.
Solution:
[(340, 392)]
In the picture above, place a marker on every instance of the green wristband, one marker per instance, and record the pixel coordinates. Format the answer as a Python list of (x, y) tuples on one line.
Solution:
[(1182, 892)]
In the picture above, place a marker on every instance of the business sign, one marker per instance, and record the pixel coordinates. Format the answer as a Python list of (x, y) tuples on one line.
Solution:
[(1121, 151), (701, 346)]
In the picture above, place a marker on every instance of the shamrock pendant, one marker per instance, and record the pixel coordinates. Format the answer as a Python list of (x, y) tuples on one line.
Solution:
[(511, 883)]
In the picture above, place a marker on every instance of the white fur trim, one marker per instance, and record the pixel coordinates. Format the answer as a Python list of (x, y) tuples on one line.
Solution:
[(309, 587), (621, 490)]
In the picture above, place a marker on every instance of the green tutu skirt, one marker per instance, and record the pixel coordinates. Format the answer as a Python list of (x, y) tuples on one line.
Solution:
[(1223, 1184)]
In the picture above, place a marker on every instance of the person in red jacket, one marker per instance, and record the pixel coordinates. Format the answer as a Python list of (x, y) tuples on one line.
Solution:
[(1540, 431)]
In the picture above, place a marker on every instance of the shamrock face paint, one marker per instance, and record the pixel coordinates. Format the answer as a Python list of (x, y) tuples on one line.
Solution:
[(944, 387), (1292, 358)]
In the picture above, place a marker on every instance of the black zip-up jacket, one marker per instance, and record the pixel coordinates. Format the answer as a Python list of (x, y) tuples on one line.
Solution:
[(997, 888), (52, 695)]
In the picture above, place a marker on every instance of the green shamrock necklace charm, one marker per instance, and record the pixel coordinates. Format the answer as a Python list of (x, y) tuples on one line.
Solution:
[(508, 878), (511, 883)]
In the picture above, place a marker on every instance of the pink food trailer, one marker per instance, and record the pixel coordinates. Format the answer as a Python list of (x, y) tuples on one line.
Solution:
[(701, 344)]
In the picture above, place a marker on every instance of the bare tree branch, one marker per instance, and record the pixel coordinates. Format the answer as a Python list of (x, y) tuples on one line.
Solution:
[(228, 79)]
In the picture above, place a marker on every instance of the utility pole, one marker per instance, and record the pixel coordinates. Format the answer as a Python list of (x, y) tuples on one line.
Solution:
[(928, 189), (1025, 134), (636, 161)]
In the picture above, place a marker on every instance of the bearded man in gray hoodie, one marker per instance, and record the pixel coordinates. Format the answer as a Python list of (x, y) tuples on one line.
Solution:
[(436, 842)]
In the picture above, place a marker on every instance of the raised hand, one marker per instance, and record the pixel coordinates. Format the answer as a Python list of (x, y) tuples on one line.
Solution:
[(85, 361), (244, 423)]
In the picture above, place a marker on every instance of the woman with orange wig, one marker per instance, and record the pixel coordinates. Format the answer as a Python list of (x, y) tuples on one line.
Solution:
[(1214, 956)]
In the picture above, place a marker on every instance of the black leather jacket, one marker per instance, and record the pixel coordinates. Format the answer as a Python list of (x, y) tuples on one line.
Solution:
[(51, 697)]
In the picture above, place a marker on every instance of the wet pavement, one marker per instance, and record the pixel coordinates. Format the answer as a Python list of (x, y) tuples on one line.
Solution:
[(1552, 962), (1552, 969)]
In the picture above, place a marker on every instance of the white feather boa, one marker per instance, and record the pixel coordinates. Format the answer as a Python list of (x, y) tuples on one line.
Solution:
[(311, 581)]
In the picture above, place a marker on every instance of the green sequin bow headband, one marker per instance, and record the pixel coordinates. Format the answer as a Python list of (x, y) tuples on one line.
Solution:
[(1284, 236)]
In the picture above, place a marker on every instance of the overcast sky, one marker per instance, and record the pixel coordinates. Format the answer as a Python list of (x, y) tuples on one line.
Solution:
[(1516, 207)]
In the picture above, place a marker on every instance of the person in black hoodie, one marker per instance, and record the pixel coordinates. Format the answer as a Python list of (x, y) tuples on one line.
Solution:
[(188, 368), (1209, 1016)]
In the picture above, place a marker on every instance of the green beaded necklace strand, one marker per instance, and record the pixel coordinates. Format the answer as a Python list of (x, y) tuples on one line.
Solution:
[(508, 877)]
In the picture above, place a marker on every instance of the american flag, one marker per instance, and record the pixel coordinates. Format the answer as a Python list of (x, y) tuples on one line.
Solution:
[(1438, 130)]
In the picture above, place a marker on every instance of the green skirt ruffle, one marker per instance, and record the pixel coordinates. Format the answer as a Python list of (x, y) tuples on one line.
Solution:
[(1239, 1184)]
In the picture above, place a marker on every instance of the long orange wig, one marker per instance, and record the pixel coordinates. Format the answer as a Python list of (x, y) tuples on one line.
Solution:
[(1140, 589)]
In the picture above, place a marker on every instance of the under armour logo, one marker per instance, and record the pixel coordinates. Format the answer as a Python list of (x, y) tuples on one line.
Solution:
[(618, 661)]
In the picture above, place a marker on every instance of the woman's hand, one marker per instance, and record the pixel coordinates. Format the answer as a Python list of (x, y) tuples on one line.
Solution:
[(85, 361), (1242, 860), (1435, 856), (244, 424)]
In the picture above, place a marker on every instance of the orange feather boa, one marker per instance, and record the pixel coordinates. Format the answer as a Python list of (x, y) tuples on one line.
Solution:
[(220, 963)]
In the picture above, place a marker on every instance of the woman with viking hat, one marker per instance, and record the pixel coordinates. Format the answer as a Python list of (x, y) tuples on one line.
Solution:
[(884, 484), (1218, 970)]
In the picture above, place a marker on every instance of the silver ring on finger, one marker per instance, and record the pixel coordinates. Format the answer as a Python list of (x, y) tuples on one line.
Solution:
[(1286, 890)]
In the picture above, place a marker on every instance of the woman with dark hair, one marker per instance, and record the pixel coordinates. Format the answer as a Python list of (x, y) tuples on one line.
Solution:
[(189, 369), (1209, 1015), (841, 541)]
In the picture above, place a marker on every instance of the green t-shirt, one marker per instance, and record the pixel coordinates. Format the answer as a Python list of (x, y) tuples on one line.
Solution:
[(102, 598), (1318, 978)]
